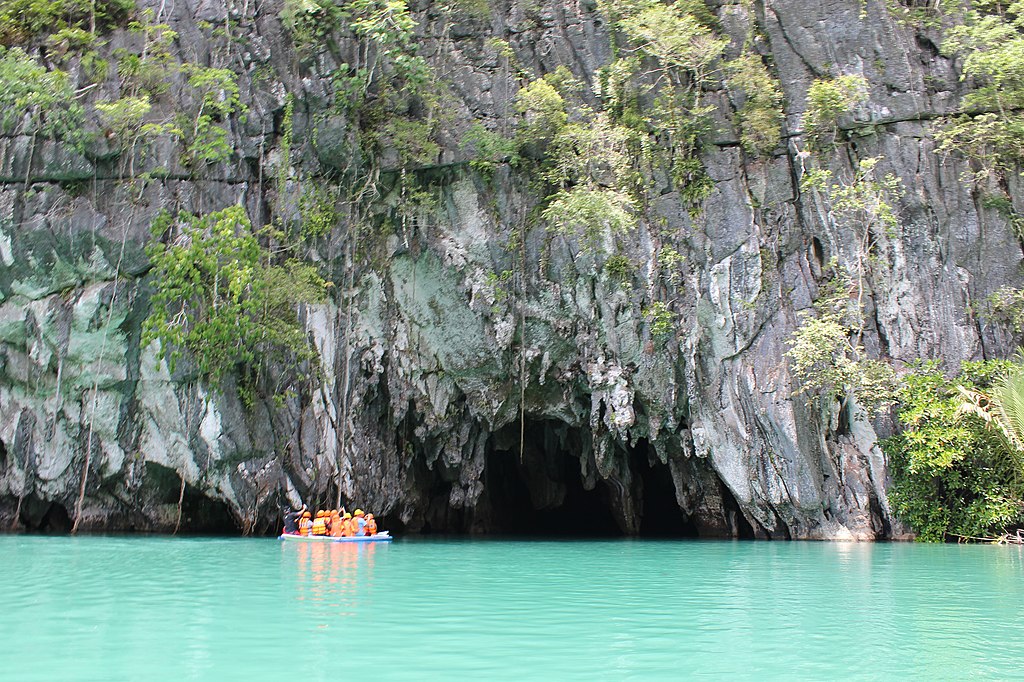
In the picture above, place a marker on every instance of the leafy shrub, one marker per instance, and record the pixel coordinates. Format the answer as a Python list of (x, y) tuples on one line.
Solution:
[(590, 213), (826, 358), (830, 99), (619, 268), (660, 318), (35, 101), (219, 295), (22, 20), (991, 42), (953, 474), (676, 35), (489, 148), (1007, 305), (864, 204), (543, 111), (760, 116)]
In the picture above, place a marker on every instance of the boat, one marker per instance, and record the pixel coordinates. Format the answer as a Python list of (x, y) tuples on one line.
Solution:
[(383, 536)]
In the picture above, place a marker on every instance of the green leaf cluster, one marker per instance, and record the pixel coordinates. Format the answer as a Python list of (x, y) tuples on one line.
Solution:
[(619, 268), (863, 204), (953, 473), (990, 41), (829, 99), (590, 213), (390, 96), (23, 20), (660, 318), (489, 148), (222, 298), (677, 35), (35, 101), (586, 160), (825, 355), (760, 115), (148, 71), (208, 101), (205, 133), (672, 53), (1007, 306)]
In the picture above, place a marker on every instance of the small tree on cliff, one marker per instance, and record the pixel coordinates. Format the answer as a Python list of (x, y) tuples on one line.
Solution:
[(223, 299)]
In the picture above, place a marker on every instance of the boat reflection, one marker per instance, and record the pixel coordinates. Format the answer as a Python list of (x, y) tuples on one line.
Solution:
[(334, 575)]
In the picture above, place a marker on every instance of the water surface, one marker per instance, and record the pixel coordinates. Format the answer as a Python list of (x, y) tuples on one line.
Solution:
[(128, 608)]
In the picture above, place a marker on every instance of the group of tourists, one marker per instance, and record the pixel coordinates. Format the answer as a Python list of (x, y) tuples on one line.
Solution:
[(331, 522)]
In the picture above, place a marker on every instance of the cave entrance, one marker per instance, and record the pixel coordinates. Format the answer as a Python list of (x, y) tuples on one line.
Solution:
[(544, 493), (660, 514)]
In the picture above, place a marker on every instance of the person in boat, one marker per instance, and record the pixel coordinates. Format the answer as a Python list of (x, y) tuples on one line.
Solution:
[(291, 520), (359, 523), (347, 529), (305, 523), (319, 525), (371, 525), (337, 525)]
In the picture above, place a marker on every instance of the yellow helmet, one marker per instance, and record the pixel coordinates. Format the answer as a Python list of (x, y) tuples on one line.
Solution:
[(347, 515), (359, 512)]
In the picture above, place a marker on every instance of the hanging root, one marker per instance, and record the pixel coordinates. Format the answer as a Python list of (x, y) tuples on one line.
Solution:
[(181, 497), (17, 512)]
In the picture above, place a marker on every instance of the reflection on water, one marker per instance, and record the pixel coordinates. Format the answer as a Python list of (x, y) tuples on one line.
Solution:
[(333, 575), (162, 608)]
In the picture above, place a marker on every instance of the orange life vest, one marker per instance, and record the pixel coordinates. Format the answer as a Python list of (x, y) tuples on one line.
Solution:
[(319, 527), (336, 526), (348, 528), (371, 526), (304, 526)]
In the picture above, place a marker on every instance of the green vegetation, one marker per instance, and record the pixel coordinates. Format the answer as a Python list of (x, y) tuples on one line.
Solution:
[(863, 206), (35, 101), (670, 261), (488, 149), (991, 131), (590, 213), (953, 473), (390, 94), (677, 35), (146, 72), (23, 20), (865, 203), (661, 320), (222, 298), (1007, 306), (830, 99), (664, 105), (205, 134), (825, 355), (619, 268), (760, 116)]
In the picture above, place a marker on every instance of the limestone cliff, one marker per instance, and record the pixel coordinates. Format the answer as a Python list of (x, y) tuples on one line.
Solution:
[(453, 397)]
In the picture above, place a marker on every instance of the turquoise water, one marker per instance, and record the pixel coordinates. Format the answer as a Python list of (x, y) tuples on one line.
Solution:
[(113, 608)]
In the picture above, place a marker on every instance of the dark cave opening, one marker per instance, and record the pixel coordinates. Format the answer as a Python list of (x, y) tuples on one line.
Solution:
[(38, 515), (544, 493), (661, 515), (200, 514)]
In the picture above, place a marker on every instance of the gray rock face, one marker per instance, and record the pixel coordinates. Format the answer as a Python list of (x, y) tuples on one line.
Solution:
[(450, 399)]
